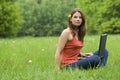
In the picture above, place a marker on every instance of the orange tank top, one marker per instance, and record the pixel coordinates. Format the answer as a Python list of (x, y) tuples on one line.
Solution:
[(70, 52)]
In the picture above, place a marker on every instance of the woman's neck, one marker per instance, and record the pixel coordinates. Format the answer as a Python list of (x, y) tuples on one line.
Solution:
[(74, 30)]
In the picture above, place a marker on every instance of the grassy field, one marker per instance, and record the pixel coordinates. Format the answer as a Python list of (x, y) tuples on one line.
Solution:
[(33, 59)]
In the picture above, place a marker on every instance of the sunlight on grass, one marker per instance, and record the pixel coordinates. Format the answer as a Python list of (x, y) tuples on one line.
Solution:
[(33, 59)]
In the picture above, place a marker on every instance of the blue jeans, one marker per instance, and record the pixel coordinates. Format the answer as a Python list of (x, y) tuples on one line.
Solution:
[(90, 61)]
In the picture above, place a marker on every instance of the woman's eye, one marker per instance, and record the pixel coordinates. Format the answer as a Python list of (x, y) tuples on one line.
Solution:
[(75, 16), (80, 17)]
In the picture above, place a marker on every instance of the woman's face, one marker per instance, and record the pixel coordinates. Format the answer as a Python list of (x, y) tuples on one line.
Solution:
[(76, 19)]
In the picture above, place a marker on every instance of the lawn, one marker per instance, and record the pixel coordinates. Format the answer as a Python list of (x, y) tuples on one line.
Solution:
[(31, 58)]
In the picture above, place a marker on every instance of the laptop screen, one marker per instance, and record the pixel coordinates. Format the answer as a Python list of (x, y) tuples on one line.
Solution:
[(102, 44)]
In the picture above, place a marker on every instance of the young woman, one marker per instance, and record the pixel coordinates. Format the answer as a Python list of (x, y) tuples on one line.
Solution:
[(71, 42)]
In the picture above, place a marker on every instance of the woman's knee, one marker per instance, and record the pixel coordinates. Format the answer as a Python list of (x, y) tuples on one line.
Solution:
[(106, 52)]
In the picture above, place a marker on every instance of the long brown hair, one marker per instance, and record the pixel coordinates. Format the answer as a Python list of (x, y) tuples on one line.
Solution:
[(82, 27)]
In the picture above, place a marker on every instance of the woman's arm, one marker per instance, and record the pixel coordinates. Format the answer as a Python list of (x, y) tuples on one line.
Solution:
[(61, 43)]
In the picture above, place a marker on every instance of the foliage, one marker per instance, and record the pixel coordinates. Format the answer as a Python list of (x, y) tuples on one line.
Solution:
[(10, 19), (110, 14), (102, 15), (44, 17), (2, 1)]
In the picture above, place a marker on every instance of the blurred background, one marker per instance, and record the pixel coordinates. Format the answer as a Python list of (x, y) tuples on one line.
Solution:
[(38, 18)]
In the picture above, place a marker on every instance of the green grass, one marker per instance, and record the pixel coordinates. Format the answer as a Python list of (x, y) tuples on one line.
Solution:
[(15, 54)]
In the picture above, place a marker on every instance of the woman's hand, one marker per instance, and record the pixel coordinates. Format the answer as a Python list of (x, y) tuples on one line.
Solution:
[(86, 54), (89, 54)]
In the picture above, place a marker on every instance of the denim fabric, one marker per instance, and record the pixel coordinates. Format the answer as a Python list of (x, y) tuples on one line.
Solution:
[(103, 60), (90, 61)]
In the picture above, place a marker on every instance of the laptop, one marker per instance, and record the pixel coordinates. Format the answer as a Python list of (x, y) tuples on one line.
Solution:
[(102, 45)]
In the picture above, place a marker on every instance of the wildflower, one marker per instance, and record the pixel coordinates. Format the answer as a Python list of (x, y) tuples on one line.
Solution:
[(29, 61), (69, 15)]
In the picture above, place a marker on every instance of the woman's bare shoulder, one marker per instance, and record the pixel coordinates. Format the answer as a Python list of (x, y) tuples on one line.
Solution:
[(66, 31), (67, 34)]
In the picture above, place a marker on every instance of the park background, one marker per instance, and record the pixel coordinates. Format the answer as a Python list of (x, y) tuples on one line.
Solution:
[(29, 31), (48, 18)]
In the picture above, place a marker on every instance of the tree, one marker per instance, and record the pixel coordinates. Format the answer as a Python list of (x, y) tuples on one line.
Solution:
[(10, 18), (46, 18), (102, 15), (110, 13)]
